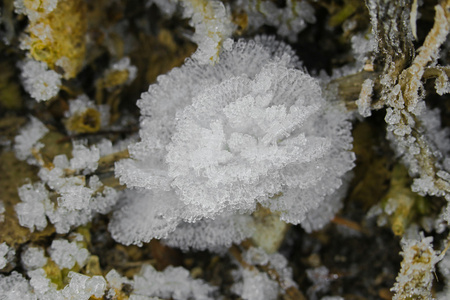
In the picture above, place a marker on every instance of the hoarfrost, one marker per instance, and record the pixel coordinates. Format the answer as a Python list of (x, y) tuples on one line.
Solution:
[(27, 141), (289, 20), (33, 258), (40, 82), (7, 255), (417, 268), (65, 254), (173, 282), (15, 286), (256, 285), (230, 136)]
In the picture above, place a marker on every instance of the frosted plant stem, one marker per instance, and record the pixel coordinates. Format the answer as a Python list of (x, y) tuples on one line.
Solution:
[(291, 292)]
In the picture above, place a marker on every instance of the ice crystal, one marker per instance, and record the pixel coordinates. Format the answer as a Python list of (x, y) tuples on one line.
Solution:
[(289, 20), (258, 257), (214, 235), (250, 283), (15, 286), (78, 198), (7, 255), (83, 287), (33, 258), (256, 285), (65, 254), (212, 23), (41, 83), (34, 10), (35, 202), (232, 135), (321, 279), (27, 141), (173, 282)]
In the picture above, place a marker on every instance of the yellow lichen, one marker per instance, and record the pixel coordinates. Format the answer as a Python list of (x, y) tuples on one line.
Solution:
[(58, 38), (241, 20), (54, 273), (86, 122), (115, 78), (93, 266)]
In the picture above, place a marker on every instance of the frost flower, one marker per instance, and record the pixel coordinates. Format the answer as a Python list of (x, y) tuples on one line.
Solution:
[(217, 140)]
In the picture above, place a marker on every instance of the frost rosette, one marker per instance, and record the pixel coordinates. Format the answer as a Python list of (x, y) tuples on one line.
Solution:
[(251, 129)]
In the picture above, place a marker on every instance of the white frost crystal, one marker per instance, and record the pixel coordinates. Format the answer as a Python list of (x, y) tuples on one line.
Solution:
[(277, 262), (289, 20), (33, 258), (40, 82), (417, 269), (65, 254), (35, 203), (82, 287), (15, 286), (172, 283), (256, 285), (78, 200), (84, 158), (214, 235), (35, 9), (213, 26), (28, 139), (7, 255), (250, 129)]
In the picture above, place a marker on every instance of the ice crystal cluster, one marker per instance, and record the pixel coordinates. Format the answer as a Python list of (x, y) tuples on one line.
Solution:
[(78, 196), (289, 20), (27, 141), (251, 130), (40, 82), (7, 255), (34, 10), (212, 23), (173, 282), (251, 284), (416, 275)]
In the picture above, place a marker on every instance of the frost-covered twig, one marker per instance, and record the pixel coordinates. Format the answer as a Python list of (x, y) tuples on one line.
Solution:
[(418, 266), (412, 128)]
